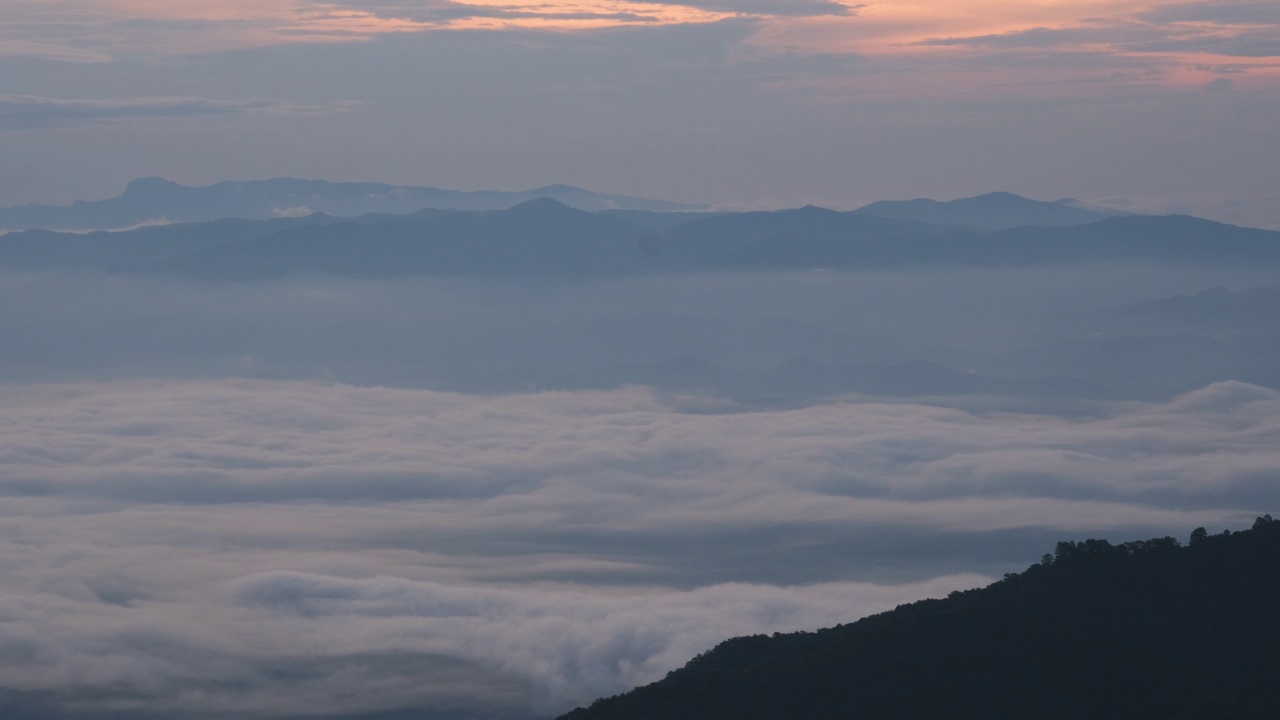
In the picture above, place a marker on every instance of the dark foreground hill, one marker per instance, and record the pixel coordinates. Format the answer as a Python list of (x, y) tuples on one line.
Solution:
[(1142, 630)]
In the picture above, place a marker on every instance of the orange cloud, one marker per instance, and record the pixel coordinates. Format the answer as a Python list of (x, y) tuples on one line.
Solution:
[(1012, 43), (1021, 45), (256, 22), (337, 22), (215, 10)]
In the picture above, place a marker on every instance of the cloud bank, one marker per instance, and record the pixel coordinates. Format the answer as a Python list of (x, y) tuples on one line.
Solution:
[(30, 111), (671, 99), (275, 548)]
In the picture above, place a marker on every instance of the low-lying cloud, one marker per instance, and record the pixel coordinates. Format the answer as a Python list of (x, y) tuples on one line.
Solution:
[(282, 642), (276, 548), (566, 643), (50, 51), (31, 111), (236, 441)]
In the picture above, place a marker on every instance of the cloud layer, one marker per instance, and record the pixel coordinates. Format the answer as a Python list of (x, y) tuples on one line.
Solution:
[(276, 547), (1165, 33), (29, 111), (847, 102)]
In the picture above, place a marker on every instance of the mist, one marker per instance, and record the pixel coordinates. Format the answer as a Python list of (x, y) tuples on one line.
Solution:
[(281, 547), (464, 497), (502, 336)]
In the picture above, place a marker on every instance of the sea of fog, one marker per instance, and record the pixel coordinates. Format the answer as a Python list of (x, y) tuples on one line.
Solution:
[(463, 499)]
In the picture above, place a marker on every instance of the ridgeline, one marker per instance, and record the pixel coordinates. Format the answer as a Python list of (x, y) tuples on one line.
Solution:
[(1142, 630)]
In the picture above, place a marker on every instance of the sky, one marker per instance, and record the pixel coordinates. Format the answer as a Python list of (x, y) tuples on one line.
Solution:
[(1150, 106), (202, 513)]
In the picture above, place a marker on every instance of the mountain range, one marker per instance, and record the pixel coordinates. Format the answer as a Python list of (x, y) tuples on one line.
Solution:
[(759, 348), (157, 200), (992, 211), (154, 200), (544, 237)]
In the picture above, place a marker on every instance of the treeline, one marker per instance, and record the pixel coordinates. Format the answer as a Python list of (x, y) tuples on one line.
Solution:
[(1153, 629)]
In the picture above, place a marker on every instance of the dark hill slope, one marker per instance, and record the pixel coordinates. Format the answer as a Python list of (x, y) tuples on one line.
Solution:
[(48, 250), (804, 237), (544, 237), (1170, 238), (540, 237), (1144, 630), (817, 238)]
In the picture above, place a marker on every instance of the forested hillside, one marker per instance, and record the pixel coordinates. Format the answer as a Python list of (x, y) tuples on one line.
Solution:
[(1148, 629)]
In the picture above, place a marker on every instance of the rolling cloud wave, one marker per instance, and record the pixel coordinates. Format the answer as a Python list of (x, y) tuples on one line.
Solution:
[(260, 547)]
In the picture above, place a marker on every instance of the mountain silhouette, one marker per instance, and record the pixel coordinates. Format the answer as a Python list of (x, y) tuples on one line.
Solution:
[(1148, 366), (157, 200), (804, 237), (1148, 629), (817, 238), (543, 236), (538, 237), (1216, 308), (48, 250), (993, 211)]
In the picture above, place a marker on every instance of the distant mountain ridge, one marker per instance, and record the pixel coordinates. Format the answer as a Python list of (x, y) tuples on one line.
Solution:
[(154, 200), (992, 211), (539, 237), (544, 237), (1148, 630), (1216, 308)]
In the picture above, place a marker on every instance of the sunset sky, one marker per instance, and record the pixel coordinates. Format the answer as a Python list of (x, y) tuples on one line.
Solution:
[(498, 464), (744, 103)]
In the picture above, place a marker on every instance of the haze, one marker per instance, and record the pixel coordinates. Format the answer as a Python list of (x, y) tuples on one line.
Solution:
[(1151, 106), (573, 385)]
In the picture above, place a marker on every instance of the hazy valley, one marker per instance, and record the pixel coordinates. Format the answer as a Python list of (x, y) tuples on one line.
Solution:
[(499, 462)]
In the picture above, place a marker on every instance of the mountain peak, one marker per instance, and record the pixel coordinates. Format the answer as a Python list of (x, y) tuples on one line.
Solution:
[(149, 184), (1000, 195), (991, 211), (540, 205)]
